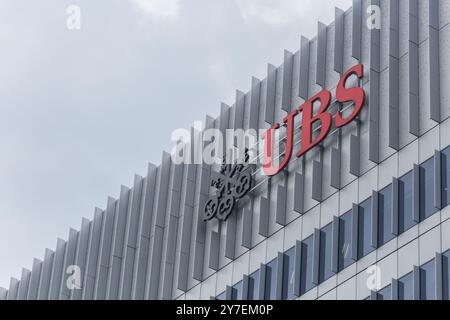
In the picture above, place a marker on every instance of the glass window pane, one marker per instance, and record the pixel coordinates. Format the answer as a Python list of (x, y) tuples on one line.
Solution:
[(446, 275), (427, 207), (405, 202), (221, 296), (345, 240), (365, 228), (236, 293), (326, 252), (253, 286), (428, 281), (385, 216), (306, 281), (270, 292), (446, 177), (288, 274), (405, 287), (385, 293)]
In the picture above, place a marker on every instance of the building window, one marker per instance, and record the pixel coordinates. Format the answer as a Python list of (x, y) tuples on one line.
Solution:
[(406, 287), (270, 292), (221, 296), (428, 281), (326, 253), (288, 274), (253, 286), (385, 293), (446, 275), (365, 228), (306, 281), (446, 177), (405, 203), (345, 240), (385, 216), (236, 292), (427, 207)]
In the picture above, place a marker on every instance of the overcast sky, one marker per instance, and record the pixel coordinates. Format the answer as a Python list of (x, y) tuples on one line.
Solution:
[(82, 111)]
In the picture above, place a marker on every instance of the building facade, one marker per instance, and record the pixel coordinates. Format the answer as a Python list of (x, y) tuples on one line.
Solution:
[(363, 215)]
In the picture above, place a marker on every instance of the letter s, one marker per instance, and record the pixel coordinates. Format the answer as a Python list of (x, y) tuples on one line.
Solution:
[(355, 94)]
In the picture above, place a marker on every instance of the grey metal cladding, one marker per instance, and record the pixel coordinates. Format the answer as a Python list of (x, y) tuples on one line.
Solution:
[(255, 104), (69, 260), (439, 276), (239, 110), (81, 255), (317, 180), (339, 28), (395, 207), (355, 155), (247, 228), (126, 277), (186, 237), (394, 289), (36, 271), (170, 257), (357, 29), (321, 65), (262, 281), (94, 250), (13, 290), (132, 232), (288, 70), (414, 21), (228, 292), (394, 103), (374, 117), (245, 283), (264, 216), (433, 11), (316, 256), (280, 271), (299, 187), (155, 265), (141, 268), (230, 237), (416, 283), (121, 222), (437, 179), (355, 219), (163, 189), (304, 68), (24, 284), (57, 270), (108, 233), (297, 268), (375, 45), (335, 250), (335, 179), (112, 292), (46, 274), (214, 251), (269, 115), (374, 231), (148, 201), (416, 194), (435, 86), (281, 194), (394, 28), (413, 53)]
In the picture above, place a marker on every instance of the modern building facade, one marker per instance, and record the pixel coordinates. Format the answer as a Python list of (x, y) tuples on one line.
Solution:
[(371, 200)]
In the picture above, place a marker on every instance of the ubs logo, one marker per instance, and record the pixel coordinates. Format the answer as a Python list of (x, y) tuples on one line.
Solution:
[(232, 183)]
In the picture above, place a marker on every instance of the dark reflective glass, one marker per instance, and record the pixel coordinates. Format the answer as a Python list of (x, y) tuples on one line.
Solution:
[(427, 207), (428, 281), (385, 216), (345, 240), (446, 176), (385, 293), (253, 286), (326, 253), (405, 287), (288, 274), (405, 203), (365, 228), (236, 293), (270, 292), (306, 281)]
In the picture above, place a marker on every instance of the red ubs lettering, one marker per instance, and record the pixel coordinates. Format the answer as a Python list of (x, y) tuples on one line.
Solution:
[(356, 95)]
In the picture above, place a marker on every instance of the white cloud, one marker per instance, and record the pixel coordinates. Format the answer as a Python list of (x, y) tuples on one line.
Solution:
[(159, 9)]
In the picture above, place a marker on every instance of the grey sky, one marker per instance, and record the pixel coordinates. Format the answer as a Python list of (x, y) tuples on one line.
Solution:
[(82, 111)]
